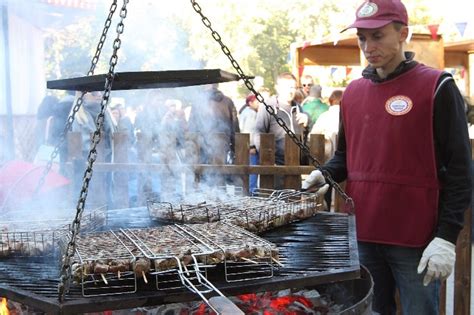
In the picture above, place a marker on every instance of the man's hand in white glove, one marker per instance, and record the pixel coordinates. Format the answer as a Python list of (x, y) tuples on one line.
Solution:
[(438, 258), (315, 179)]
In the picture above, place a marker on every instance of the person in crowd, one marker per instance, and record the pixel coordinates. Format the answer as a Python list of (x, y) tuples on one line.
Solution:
[(148, 118), (147, 130), (247, 119), (328, 123), (218, 116), (45, 111), (403, 147), (299, 96), (313, 104), (288, 110), (122, 122), (85, 123), (265, 92), (306, 83)]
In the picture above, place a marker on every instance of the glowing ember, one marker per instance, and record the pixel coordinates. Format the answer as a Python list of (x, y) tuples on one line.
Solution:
[(4, 308)]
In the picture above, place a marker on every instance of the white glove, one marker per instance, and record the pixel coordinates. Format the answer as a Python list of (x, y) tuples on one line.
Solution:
[(316, 179), (439, 256)]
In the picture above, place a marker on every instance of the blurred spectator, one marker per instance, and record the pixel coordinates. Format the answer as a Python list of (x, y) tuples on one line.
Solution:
[(248, 114), (147, 121), (299, 96), (306, 83), (313, 104), (45, 112), (122, 122), (328, 123), (85, 123), (217, 116), (265, 92), (174, 119), (247, 119), (286, 109)]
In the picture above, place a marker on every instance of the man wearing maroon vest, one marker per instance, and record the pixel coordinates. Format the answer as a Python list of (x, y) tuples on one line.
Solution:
[(404, 150)]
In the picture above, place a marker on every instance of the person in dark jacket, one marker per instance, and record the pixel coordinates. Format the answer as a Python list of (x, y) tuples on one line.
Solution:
[(218, 115), (286, 109), (404, 150)]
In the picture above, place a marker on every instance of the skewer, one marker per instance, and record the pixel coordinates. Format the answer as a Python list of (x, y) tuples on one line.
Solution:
[(103, 278), (249, 260), (186, 269), (277, 262), (144, 277)]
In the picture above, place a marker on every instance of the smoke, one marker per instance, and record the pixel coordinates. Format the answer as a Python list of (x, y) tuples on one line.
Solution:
[(154, 39)]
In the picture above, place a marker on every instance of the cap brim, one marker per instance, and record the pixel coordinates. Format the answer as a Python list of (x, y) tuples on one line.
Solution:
[(370, 24)]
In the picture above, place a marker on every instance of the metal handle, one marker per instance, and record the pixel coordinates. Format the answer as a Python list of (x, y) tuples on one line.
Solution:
[(219, 304)]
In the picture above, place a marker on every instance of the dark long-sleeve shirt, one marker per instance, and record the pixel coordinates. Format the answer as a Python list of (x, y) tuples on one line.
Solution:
[(452, 149)]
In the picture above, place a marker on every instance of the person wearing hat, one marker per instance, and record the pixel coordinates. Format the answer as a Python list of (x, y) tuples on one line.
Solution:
[(404, 150)]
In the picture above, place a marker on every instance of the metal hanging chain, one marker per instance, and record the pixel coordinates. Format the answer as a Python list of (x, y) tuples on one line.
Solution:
[(76, 224), (79, 101), (349, 203)]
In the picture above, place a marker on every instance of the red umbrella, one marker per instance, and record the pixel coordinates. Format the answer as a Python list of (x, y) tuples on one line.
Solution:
[(19, 179)]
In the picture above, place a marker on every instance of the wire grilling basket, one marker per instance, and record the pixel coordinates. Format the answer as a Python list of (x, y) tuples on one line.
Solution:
[(265, 210), (39, 238), (169, 257)]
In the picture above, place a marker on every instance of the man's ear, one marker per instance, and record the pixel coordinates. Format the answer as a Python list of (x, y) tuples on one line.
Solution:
[(404, 33)]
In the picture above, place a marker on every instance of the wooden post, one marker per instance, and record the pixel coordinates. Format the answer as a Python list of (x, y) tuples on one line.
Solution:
[(120, 183), (316, 146), (242, 144), (317, 149), (292, 157), (267, 157), (462, 273)]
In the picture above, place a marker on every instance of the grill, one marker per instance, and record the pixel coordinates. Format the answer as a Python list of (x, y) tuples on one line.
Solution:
[(332, 257)]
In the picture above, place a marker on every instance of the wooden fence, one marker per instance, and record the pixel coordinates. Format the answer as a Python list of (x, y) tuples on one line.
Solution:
[(145, 170)]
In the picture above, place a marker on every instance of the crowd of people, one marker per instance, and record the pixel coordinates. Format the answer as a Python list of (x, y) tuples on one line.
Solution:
[(299, 104)]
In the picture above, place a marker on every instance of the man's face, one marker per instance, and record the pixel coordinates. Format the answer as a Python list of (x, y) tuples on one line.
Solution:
[(306, 84), (382, 47), (286, 89)]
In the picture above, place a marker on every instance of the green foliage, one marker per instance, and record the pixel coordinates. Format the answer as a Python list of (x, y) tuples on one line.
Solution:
[(271, 46), (258, 34)]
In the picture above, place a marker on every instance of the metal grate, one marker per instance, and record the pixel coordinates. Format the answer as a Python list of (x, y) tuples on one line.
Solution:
[(318, 250)]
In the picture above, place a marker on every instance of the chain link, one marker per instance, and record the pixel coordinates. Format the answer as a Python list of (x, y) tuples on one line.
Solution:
[(349, 203), (76, 224), (79, 101)]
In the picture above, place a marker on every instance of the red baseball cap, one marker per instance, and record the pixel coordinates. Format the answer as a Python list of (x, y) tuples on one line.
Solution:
[(378, 13)]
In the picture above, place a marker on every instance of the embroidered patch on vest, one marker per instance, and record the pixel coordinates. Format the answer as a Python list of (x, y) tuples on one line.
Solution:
[(368, 9), (398, 105)]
